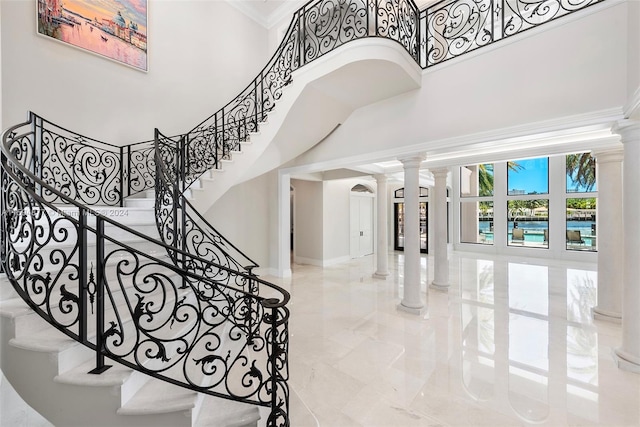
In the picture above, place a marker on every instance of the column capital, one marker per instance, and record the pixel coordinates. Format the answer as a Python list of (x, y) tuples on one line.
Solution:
[(439, 172), (629, 130), (380, 177), (412, 161), (607, 155)]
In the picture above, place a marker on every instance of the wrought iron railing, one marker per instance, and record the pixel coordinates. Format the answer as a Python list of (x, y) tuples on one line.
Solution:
[(187, 308), (456, 27), (197, 324), (181, 226), (441, 32), (89, 171)]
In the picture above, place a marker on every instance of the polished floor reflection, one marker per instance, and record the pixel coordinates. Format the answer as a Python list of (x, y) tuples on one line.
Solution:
[(512, 343)]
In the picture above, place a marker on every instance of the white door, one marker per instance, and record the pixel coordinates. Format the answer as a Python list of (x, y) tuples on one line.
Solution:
[(361, 234)]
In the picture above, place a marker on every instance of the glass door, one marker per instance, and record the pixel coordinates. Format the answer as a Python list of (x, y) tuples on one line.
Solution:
[(398, 241)]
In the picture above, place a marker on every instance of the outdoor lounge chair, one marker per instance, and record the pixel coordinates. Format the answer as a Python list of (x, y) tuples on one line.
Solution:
[(574, 237), (517, 235)]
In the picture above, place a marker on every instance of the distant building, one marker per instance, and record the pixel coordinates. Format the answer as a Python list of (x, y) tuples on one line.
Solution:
[(49, 9)]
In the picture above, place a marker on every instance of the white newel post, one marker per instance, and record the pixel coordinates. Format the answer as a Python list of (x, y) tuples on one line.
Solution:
[(628, 354), (382, 267), (610, 235), (411, 301), (440, 256)]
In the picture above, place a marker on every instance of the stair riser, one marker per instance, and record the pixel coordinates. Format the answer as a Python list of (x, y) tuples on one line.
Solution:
[(134, 383), (111, 231), (32, 323), (113, 251), (129, 214), (32, 376), (140, 203), (6, 291), (72, 357)]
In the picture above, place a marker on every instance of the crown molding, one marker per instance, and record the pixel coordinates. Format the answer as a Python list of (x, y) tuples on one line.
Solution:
[(588, 131), (285, 10), (249, 11), (632, 108), (270, 20)]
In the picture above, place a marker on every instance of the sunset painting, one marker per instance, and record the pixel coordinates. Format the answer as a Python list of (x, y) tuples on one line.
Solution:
[(116, 29)]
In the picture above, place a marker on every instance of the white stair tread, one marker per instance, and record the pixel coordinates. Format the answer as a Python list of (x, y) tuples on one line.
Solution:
[(14, 307), (114, 376), (226, 413), (47, 341), (159, 397)]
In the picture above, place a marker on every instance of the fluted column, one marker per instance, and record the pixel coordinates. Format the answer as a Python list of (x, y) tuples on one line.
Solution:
[(440, 256), (411, 300), (628, 354), (610, 235), (382, 267)]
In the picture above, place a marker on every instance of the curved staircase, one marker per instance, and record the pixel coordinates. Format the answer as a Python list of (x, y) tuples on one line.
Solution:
[(33, 352), (120, 299)]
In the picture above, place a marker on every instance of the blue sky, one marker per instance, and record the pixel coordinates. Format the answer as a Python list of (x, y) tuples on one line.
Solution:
[(573, 187), (532, 177)]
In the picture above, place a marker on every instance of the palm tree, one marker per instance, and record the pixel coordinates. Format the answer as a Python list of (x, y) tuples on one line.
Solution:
[(485, 179), (516, 209), (485, 176), (581, 168)]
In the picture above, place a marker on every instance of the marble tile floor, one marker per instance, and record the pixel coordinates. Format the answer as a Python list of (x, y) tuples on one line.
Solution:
[(512, 343)]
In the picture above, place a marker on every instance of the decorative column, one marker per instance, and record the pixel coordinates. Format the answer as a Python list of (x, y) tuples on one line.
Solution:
[(440, 256), (411, 301), (382, 268), (628, 354), (610, 235)]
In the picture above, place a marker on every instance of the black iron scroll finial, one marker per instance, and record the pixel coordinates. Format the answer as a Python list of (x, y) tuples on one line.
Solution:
[(91, 288)]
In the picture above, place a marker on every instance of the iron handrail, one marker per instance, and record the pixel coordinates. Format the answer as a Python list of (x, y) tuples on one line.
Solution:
[(32, 225), (431, 36)]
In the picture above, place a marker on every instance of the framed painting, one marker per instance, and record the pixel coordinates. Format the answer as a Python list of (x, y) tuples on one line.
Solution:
[(114, 29)]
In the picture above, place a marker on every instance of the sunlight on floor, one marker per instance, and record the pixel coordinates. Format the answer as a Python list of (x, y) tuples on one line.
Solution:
[(511, 343)]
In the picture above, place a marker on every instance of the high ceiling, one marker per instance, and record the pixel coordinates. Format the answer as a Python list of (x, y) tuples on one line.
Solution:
[(268, 13)]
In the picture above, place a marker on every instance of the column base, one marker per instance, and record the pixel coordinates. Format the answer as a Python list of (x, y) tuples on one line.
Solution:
[(626, 361), (382, 276), (418, 311), (439, 287), (607, 316)]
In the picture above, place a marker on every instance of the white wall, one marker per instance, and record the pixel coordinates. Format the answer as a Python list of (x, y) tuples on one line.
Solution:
[(308, 214), (243, 216), (633, 51), (322, 220), (201, 54), (576, 67), (336, 220)]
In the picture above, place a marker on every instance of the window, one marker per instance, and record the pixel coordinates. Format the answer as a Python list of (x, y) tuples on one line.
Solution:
[(528, 176), (580, 202), (476, 180), (476, 206), (581, 173), (359, 188), (476, 222), (399, 193), (581, 224), (528, 223)]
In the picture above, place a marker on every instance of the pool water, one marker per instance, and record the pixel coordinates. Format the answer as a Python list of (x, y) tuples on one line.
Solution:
[(534, 230)]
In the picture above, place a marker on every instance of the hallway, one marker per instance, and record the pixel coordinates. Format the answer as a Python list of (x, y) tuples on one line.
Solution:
[(512, 343)]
